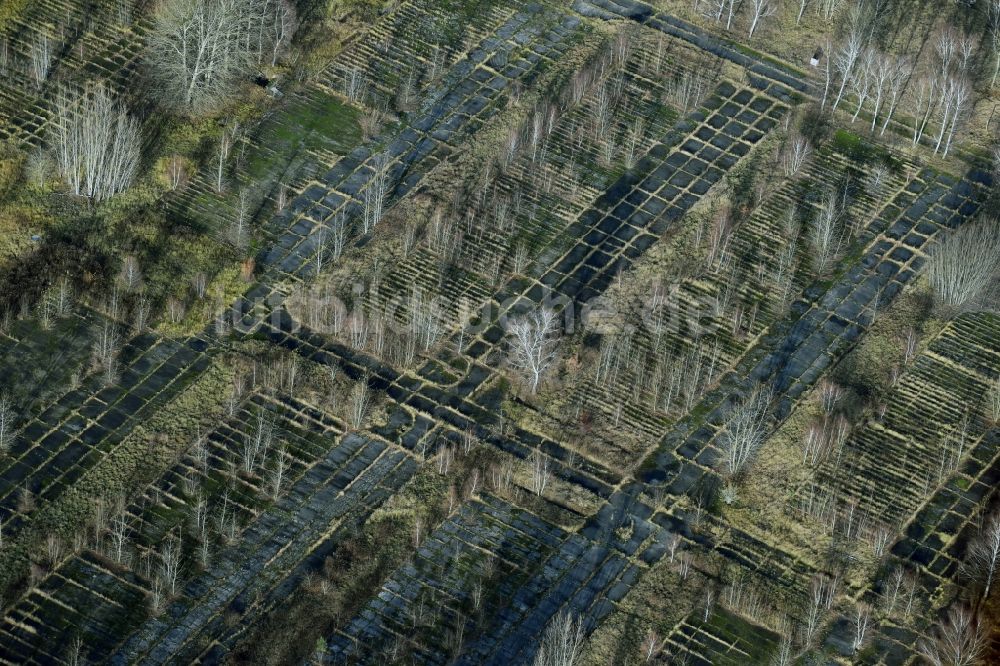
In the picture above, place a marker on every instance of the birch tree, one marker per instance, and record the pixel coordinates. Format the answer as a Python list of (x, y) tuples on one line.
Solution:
[(802, 10), (730, 12), (374, 197), (984, 554), (7, 418), (561, 643), (828, 8), (41, 58), (283, 23), (96, 143), (901, 71), (882, 70), (826, 233), (795, 155), (844, 60), (862, 80), (745, 432), (199, 49), (862, 624), (759, 10), (993, 30), (170, 563), (958, 95), (119, 537), (964, 264), (924, 103), (533, 339), (958, 641)]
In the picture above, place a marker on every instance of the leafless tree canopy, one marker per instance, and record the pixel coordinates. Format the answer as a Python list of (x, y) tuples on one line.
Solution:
[(746, 431), (96, 143), (7, 418), (198, 49), (533, 343), (984, 553), (958, 641), (561, 643), (965, 264)]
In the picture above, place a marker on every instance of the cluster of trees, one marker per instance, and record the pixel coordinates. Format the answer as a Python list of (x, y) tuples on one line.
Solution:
[(946, 93), (939, 99), (964, 266), (198, 49), (96, 143), (724, 11), (561, 643), (958, 641), (746, 430)]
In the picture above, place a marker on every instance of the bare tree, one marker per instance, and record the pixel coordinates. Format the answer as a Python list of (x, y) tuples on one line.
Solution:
[(225, 144), (993, 401), (119, 537), (156, 595), (862, 623), (74, 651), (257, 443), (844, 60), (198, 49), (278, 471), (945, 47), (826, 232), (105, 352), (862, 80), (170, 563), (130, 275), (821, 595), (238, 232), (96, 143), (901, 69), (795, 155), (319, 236), (876, 180), (827, 8), (714, 9), (561, 643), (354, 84), (882, 69), (533, 343), (375, 194), (966, 47), (802, 10), (338, 235), (964, 264), (984, 553), (360, 403), (759, 10), (177, 174), (41, 58), (7, 418), (731, 7), (993, 28), (958, 641), (652, 645), (283, 24), (958, 95), (745, 432), (925, 101), (540, 472), (123, 12)]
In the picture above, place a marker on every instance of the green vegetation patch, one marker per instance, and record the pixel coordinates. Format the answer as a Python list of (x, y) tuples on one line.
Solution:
[(318, 123), (862, 151), (140, 457)]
